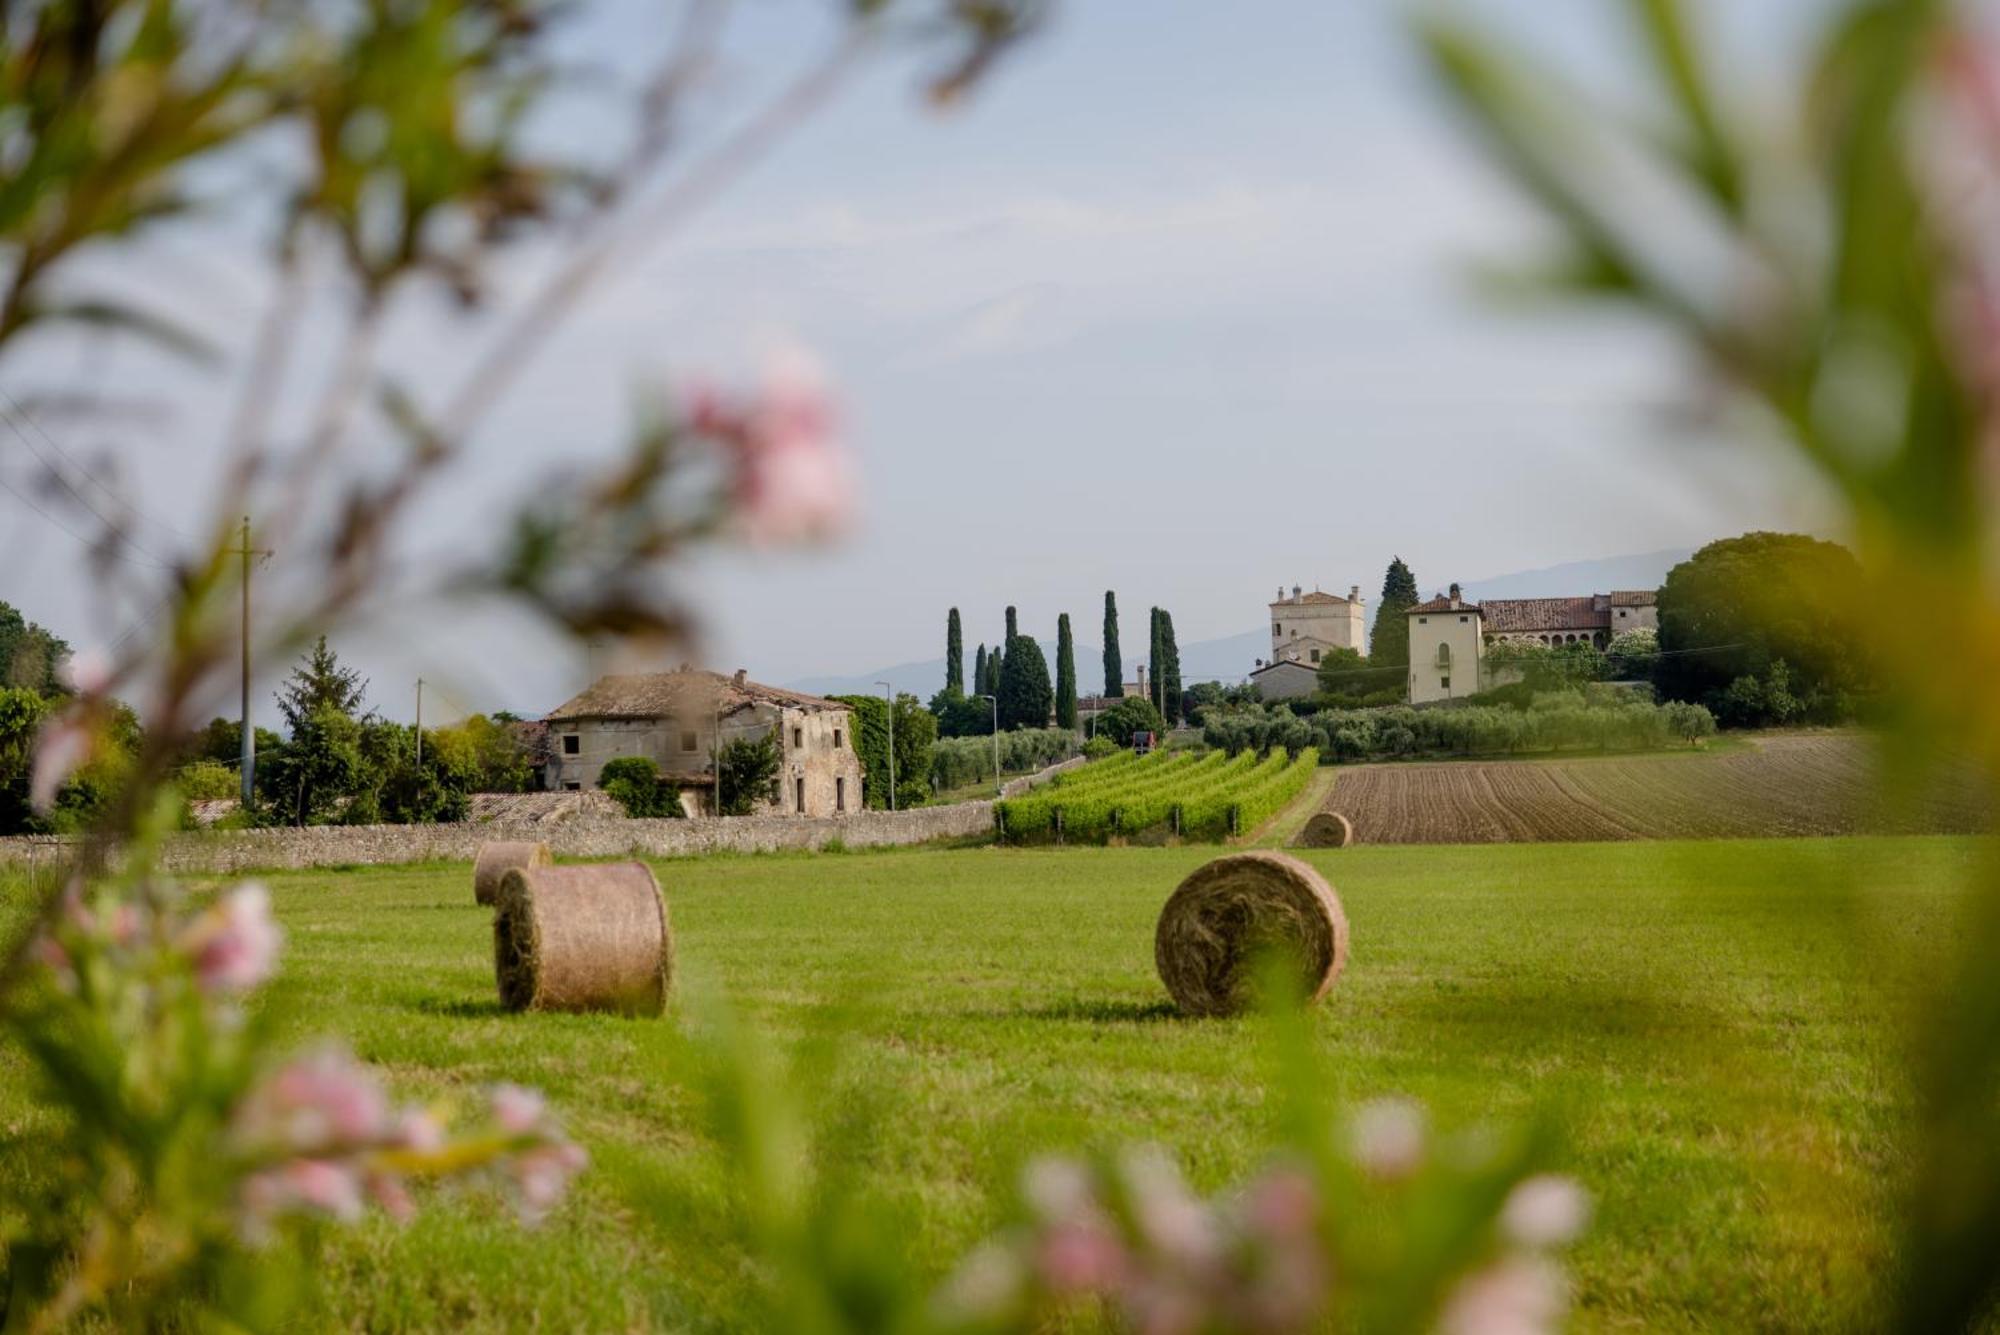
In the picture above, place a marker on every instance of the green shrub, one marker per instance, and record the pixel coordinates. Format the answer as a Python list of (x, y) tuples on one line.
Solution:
[(207, 781), (634, 783), (1134, 713)]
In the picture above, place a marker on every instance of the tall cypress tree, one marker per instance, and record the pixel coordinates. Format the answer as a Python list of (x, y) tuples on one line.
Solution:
[(1389, 642), (1025, 695), (1065, 674), (979, 672), (993, 662), (1155, 679), (1114, 663), (1013, 630), (1170, 670), (954, 656)]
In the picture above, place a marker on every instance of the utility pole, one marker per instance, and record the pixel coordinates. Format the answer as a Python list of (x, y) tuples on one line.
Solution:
[(889, 694), (420, 725), (249, 752)]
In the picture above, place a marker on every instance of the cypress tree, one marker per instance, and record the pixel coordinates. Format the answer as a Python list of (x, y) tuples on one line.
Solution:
[(1065, 674), (954, 656), (1156, 660), (1389, 642), (1013, 630), (1114, 663), (994, 661), (979, 672), (1025, 695), (1170, 670)]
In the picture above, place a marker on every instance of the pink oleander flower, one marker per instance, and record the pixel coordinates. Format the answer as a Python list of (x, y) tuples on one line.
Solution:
[(541, 1177), (1081, 1257), (1387, 1139), (60, 750), (310, 1186), (234, 945), (518, 1110), (1516, 1296), (1545, 1211), (793, 480), (86, 673), (1171, 1219), (322, 1102)]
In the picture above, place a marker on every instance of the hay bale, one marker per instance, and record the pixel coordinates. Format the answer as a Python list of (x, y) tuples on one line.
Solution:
[(1326, 829), (497, 857), (1228, 915), (583, 939)]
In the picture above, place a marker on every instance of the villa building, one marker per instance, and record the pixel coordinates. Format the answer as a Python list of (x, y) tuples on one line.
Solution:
[(1449, 636), (677, 719)]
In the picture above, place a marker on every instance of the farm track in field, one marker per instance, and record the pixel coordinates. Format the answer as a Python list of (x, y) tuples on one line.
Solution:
[(1812, 784)]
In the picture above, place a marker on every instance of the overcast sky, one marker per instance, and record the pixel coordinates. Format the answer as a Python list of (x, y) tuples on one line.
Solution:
[(1177, 306)]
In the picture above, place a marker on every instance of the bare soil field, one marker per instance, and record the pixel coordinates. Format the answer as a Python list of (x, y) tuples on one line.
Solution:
[(1813, 784)]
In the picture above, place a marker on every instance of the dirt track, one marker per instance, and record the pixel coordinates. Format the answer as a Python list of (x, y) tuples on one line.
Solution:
[(1815, 784)]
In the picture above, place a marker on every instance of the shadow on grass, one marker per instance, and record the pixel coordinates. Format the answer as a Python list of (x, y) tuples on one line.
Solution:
[(1100, 1012), (460, 1009)]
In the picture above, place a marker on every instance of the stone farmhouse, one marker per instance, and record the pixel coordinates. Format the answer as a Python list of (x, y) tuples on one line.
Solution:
[(1449, 636), (1304, 628), (675, 719)]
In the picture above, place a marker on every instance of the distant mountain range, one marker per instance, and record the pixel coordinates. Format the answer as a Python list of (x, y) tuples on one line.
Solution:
[(1230, 657)]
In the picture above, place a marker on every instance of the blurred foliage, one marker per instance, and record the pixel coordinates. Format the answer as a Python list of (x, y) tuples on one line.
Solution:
[(1827, 250)]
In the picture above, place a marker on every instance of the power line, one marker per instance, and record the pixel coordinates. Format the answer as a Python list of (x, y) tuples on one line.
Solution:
[(148, 562), (83, 470)]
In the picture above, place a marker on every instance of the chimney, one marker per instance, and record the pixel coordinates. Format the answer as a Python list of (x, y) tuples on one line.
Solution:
[(1296, 591), (1281, 594), (743, 675), (1354, 593), (1455, 596)]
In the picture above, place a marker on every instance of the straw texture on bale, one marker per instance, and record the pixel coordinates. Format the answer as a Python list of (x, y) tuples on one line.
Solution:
[(1326, 829), (583, 938), (497, 857), (1228, 916)]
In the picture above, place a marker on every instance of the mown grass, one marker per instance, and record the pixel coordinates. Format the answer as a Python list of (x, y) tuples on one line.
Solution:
[(1716, 1028)]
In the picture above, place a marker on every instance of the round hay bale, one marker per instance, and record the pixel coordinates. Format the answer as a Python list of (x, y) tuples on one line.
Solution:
[(1327, 829), (497, 857), (1227, 916), (583, 939)]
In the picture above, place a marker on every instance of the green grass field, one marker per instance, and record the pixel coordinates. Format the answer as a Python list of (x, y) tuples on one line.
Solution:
[(1714, 1026)]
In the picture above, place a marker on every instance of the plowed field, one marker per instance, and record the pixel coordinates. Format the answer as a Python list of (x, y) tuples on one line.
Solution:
[(1816, 784)]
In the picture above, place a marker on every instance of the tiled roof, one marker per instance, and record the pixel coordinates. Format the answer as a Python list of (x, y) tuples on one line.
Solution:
[(1516, 616), (662, 694), (1635, 598), (1444, 604), (1315, 598), (1285, 663)]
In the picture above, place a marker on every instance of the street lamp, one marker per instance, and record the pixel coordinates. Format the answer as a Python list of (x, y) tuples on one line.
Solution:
[(888, 694), (994, 700)]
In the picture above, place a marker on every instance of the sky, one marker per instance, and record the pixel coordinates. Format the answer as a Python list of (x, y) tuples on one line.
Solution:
[(1180, 304)]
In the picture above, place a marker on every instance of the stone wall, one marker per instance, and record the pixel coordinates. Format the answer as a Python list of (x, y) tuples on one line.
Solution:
[(230, 851)]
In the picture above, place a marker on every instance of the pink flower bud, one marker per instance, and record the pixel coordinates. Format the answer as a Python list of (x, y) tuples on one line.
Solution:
[(61, 749), (234, 945), (1517, 1296), (1545, 1211), (518, 1110), (1388, 1139)]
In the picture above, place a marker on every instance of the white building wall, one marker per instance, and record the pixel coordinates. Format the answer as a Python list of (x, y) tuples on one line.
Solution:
[(1445, 652)]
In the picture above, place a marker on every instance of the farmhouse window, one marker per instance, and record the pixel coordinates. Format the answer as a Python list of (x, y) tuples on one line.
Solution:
[(1444, 683), (572, 744), (1423, 621), (688, 739), (1463, 620), (572, 787), (800, 788), (1315, 655), (1277, 628), (839, 791), (836, 739), (798, 740)]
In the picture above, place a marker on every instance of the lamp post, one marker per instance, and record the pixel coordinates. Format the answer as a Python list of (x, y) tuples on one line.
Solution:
[(888, 694), (994, 700)]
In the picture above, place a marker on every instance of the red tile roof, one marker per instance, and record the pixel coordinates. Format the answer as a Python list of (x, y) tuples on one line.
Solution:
[(1444, 604), (1634, 598)]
